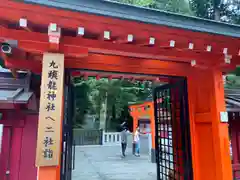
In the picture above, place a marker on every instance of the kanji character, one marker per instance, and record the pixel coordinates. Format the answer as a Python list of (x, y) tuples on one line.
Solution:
[(48, 141), (48, 153), (53, 65), (49, 129), (50, 107), (51, 95), (49, 118), (52, 85), (53, 74)]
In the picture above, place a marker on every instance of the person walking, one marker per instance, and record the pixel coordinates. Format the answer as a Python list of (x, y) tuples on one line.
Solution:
[(136, 140), (124, 134)]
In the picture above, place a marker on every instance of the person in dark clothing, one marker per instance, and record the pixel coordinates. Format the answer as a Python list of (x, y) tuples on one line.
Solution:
[(124, 134)]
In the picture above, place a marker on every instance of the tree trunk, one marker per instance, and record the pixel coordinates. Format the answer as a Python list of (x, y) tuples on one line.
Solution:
[(103, 114), (217, 14)]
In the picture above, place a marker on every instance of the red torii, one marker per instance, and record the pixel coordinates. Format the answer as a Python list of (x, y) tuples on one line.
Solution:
[(96, 42)]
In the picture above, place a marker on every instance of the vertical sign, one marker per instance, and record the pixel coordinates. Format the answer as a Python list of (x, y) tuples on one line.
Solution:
[(50, 113)]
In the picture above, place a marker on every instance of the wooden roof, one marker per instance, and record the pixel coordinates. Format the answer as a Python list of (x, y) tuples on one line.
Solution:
[(14, 90), (96, 31), (145, 15)]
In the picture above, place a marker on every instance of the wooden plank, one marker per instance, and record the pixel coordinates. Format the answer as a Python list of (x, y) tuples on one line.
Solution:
[(50, 114)]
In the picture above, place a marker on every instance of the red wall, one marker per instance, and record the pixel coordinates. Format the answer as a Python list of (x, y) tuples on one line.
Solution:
[(15, 156), (28, 170), (4, 152), (23, 147), (235, 140)]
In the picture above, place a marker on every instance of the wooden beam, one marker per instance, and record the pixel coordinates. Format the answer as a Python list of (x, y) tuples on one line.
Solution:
[(225, 67), (23, 23), (54, 36), (129, 38), (130, 65), (198, 65), (15, 62), (39, 43), (75, 46), (80, 31), (3, 24), (105, 36), (79, 47), (23, 64), (117, 63), (130, 50), (120, 76), (151, 41)]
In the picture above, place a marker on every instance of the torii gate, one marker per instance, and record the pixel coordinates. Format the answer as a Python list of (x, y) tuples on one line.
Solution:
[(119, 38)]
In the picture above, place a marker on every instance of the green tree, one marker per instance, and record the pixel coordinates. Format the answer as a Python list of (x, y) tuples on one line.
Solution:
[(144, 3), (82, 101), (126, 117), (232, 81), (107, 99), (208, 9), (219, 10), (176, 6), (110, 97)]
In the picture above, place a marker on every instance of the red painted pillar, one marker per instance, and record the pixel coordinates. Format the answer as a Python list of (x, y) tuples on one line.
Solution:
[(210, 137), (152, 121)]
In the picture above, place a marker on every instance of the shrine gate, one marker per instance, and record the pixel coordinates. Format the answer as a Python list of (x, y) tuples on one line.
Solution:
[(55, 38)]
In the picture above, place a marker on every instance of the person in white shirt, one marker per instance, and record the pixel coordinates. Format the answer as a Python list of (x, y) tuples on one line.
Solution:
[(136, 140)]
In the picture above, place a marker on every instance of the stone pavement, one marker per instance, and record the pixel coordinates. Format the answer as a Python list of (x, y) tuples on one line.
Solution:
[(106, 163)]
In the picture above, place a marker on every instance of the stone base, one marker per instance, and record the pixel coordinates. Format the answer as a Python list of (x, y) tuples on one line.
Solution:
[(153, 155)]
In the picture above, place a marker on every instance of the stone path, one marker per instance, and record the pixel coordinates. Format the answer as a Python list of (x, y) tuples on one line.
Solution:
[(106, 163)]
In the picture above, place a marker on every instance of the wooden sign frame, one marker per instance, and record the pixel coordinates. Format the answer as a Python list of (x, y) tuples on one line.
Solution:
[(50, 113)]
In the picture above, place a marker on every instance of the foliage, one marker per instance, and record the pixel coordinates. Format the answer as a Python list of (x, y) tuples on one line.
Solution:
[(232, 81), (82, 101), (125, 116), (237, 71), (144, 3), (176, 6), (91, 94), (220, 10), (228, 11)]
